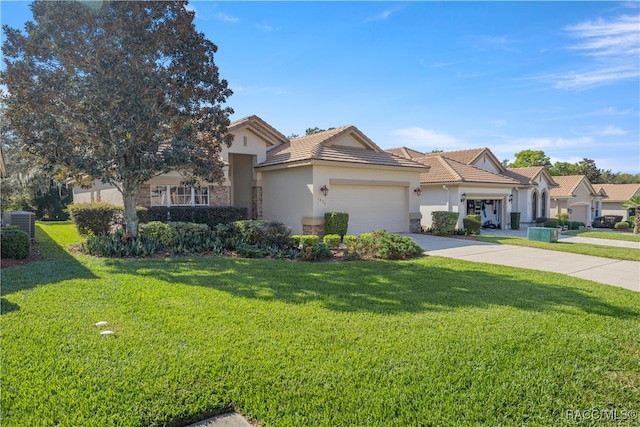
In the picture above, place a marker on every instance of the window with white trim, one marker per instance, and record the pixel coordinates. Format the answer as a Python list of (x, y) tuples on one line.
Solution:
[(173, 195)]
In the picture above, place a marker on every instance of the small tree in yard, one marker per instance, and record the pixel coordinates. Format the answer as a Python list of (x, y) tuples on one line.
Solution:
[(634, 202), (117, 92)]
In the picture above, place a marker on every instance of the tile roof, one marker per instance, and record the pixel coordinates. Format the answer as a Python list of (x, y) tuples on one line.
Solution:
[(462, 156), (444, 169), (529, 174), (319, 146), (618, 192), (406, 152), (264, 129), (567, 185)]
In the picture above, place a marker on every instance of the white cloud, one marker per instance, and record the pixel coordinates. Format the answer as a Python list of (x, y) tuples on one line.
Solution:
[(605, 38), (611, 131), (592, 78), (220, 16), (419, 138), (264, 27), (613, 47), (498, 123)]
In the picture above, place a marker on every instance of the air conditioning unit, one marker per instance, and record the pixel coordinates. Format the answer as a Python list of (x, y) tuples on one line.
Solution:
[(26, 221)]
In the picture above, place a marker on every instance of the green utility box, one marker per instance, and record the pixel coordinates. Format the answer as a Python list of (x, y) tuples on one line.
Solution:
[(542, 234)]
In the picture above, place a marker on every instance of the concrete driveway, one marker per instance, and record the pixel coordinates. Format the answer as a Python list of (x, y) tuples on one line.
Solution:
[(624, 274)]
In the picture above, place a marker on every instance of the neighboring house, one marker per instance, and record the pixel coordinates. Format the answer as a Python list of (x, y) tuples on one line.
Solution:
[(618, 195), (297, 181), (474, 181), (533, 197), (577, 197)]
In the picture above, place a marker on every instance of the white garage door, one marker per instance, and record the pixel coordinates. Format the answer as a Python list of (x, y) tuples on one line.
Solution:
[(372, 207)]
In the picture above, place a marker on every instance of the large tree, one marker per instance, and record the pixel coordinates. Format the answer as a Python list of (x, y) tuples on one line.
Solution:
[(527, 158), (117, 92)]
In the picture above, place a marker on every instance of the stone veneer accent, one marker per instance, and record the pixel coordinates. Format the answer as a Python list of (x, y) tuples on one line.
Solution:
[(219, 195), (414, 222), (313, 226), (256, 203)]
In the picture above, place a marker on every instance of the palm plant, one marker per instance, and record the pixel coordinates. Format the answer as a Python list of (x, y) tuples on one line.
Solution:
[(634, 202)]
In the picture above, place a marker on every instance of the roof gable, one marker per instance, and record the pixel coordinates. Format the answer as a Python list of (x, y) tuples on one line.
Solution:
[(260, 128), (568, 184), (343, 144), (471, 157), (618, 192), (529, 175), (406, 152), (444, 170)]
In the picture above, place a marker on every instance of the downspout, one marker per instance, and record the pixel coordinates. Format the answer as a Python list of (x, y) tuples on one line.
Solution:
[(448, 198)]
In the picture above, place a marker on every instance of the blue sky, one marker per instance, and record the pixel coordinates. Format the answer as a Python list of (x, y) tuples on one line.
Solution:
[(562, 77)]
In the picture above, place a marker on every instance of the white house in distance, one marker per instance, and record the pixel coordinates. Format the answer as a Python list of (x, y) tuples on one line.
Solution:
[(297, 181), (474, 181)]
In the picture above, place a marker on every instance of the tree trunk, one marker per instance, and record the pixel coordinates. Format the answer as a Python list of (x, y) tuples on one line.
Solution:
[(636, 221), (130, 196)]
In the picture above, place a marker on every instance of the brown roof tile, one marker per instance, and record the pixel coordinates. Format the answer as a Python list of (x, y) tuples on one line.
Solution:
[(444, 169), (319, 146), (406, 152), (528, 175), (618, 192), (261, 127), (567, 184)]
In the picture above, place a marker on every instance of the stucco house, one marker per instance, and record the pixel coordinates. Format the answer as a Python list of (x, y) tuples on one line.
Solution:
[(297, 181), (618, 195), (576, 196), (474, 181)]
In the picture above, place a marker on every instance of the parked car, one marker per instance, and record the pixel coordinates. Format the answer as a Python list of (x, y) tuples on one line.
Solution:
[(607, 221)]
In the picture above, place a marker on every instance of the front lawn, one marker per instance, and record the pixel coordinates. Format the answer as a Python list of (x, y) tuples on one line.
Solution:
[(626, 236), (431, 341), (612, 252)]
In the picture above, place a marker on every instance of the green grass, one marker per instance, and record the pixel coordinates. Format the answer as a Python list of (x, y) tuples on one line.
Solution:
[(431, 341), (626, 236), (612, 252)]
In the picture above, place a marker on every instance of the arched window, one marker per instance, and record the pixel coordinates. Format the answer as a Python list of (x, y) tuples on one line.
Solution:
[(543, 203), (534, 205)]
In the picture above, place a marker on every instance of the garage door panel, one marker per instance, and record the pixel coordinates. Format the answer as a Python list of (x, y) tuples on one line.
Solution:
[(372, 207)]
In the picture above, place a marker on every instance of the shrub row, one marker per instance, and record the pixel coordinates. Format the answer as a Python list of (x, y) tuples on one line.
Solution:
[(95, 219), (210, 215), (14, 243), (251, 239)]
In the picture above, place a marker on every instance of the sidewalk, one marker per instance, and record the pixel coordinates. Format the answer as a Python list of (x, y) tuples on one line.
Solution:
[(623, 274)]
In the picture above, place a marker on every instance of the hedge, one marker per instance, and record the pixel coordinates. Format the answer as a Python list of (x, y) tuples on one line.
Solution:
[(471, 225), (336, 223), (210, 215), (14, 242), (444, 222), (95, 219)]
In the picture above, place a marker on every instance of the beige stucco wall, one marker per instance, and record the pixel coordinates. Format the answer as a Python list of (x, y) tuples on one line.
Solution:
[(438, 198), (580, 205), (293, 194), (613, 208), (483, 162), (99, 192), (287, 196)]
